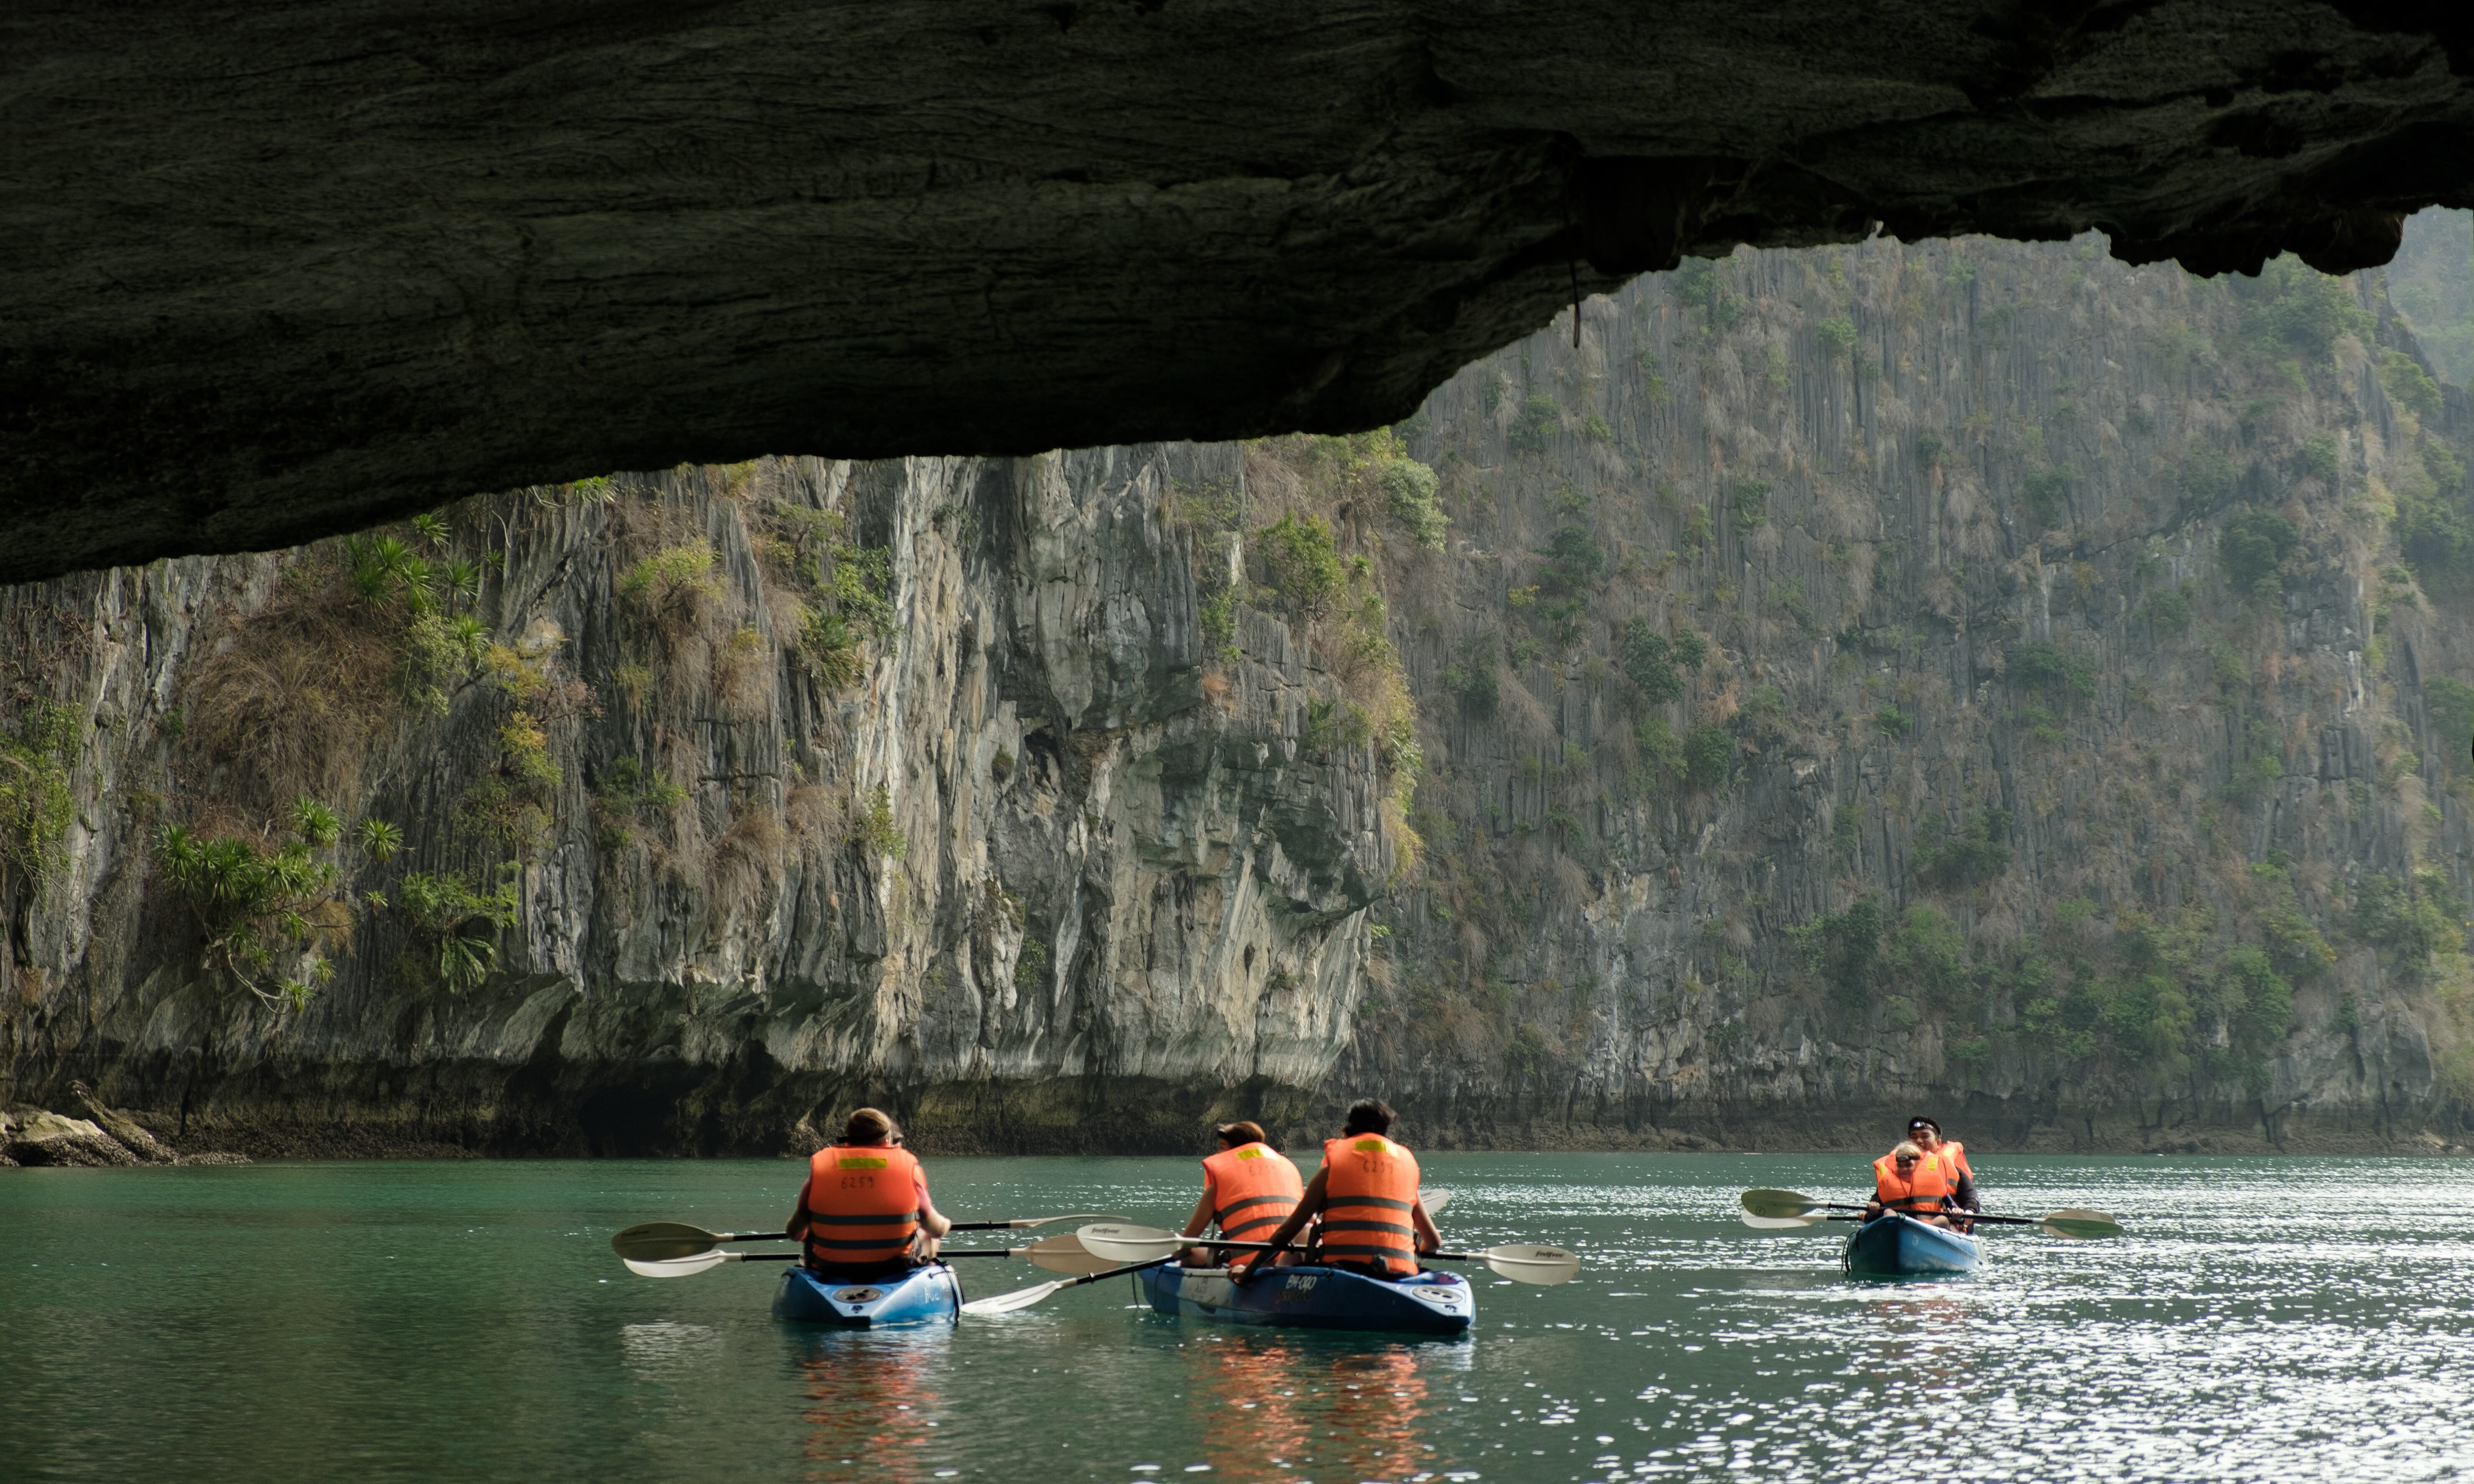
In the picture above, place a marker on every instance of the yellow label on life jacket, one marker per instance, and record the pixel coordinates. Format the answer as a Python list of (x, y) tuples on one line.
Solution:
[(848, 1162), (1249, 1152), (1369, 1146)]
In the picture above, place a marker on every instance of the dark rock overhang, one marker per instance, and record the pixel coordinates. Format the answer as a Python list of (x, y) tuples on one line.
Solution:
[(277, 273)]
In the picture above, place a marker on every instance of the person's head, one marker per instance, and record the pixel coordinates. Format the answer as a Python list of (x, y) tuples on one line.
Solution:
[(870, 1126), (1925, 1132), (1244, 1131), (1370, 1115), (1906, 1156)]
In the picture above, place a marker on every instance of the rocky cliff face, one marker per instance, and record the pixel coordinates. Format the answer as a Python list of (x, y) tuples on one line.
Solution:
[(666, 809), (2081, 744), (1974, 676)]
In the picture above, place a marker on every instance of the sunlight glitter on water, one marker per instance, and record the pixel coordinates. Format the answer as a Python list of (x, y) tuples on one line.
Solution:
[(2263, 1319)]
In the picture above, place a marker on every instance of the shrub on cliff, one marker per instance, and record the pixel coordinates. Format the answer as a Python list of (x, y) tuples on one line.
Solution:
[(1975, 852), (1304, 565), (1650, 660), (253, 903), (2293, 301), (1709, 757), (2253, 547), (460, 922), (1528, 431), (1409, 488), (674, 584), (35, 802), (2041, 663)]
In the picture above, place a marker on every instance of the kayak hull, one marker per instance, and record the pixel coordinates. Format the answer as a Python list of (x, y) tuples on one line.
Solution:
[(928, 1295), (1316, 1298), (1896, 1246)]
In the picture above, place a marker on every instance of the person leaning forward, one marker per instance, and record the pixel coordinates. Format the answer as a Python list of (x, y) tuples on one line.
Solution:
[(1248, 1188), (1909, 1181), (1366, 1195), (1951, 1154), (865, 1207)]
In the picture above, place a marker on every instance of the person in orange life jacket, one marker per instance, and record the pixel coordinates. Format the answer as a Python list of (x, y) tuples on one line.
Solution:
[(1366, 1195), (1246, 1188), (1925, 1133), (1909, 1181), (865, 1204)]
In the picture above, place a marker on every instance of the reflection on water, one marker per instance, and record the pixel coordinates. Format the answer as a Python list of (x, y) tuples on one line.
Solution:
[(876, 1400), (2265, 1320), (1298, 1407)]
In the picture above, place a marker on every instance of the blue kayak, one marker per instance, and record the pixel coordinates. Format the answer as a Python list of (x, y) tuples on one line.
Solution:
[(927, 1295), (1316, 1298), (1896, 1246)]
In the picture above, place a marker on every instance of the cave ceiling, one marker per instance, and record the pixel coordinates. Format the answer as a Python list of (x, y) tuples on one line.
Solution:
[(277, 272)]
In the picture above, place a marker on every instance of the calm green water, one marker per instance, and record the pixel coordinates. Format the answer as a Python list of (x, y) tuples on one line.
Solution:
[(2268, 1319)]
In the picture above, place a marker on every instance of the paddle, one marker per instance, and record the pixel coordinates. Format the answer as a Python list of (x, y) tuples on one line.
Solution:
[(1024, 1298), (1544, 1265), (707, 1261), (656, 1241), (1775, 1210)]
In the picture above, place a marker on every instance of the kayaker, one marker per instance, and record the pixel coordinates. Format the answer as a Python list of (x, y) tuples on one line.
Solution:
[(1246, 1188), (1366, 1195), (1909, 1181), (866, 1207), (1925, 1133)]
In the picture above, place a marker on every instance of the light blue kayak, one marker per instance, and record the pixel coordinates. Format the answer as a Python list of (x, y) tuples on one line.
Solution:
[(1316, 1298), (928, 1294), (1896, 1246)]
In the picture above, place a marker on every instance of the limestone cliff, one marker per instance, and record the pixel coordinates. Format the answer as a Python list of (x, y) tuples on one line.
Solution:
[(2077, 741), (661, 811)]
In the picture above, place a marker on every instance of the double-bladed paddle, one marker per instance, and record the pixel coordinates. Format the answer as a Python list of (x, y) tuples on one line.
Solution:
[(1024, 1298), (661, 1241), (1780, 1210), (1522, 1263), (1057, 1253)]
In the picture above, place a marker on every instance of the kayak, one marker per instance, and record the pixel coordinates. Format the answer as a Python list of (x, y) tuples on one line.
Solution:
[(1316, 1298), (1896, 1246), (927, 1295)]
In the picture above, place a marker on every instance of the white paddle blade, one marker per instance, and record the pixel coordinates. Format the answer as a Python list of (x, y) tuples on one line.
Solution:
[(678, 1266), (1121, 1243), (1006, 1303), (1065, 1254), (1782, 1223), (1434, 1200), (1544, 1265)]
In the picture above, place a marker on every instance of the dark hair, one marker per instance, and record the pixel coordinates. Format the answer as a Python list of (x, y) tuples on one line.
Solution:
[(1367, 1115), (1245, 1130), (1920, 1121), (869, 1126)]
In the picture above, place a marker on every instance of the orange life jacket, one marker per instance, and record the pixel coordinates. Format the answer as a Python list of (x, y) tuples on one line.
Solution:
[(1952, 1155), (1370, 1186), (1252, 1190), (1919, 1194), (861, 1204)]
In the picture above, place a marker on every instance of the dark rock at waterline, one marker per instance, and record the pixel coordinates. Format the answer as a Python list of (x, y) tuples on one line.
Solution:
[(35, 1137)]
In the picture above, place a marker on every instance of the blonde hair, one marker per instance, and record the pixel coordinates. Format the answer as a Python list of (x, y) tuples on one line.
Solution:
[(1906, 1147)]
